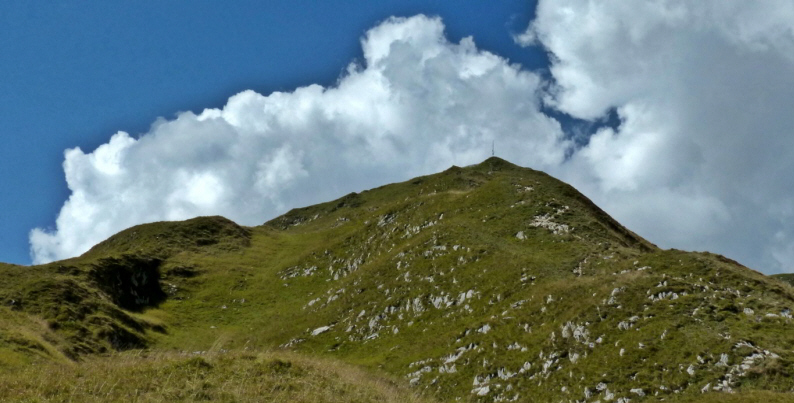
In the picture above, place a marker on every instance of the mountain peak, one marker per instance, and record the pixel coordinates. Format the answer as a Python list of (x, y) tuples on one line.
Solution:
[(497, 163)]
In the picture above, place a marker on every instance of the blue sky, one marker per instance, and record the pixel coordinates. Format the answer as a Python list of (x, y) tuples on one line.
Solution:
[(77, 72), (673, 116)]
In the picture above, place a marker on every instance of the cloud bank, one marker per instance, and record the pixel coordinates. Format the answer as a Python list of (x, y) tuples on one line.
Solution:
[(416, 105), (702, 157)]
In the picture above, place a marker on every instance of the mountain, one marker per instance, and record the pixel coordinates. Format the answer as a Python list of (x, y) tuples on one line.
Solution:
[(485, 283)]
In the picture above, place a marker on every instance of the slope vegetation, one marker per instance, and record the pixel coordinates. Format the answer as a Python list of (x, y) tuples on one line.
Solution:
[(485, 283)]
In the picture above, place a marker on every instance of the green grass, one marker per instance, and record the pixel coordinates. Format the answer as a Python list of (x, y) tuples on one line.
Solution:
[(428, 282), (786, 277), (141, 376)]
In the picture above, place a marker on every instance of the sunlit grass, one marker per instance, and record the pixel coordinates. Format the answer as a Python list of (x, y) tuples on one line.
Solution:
[(221, 376), (228, 305)]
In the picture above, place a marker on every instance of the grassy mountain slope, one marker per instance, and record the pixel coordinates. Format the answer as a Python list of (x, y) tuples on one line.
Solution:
[(786, 277), (217, 376), (485, 283)]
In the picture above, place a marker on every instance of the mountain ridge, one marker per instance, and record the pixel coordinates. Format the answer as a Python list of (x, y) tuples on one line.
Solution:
[(490, 282)]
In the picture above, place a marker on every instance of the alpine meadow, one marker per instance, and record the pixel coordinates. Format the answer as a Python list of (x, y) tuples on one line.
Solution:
[(485, 283)]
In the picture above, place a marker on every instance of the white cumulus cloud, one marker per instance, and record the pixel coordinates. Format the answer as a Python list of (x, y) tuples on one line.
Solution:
[(703, 157), (416, 105)]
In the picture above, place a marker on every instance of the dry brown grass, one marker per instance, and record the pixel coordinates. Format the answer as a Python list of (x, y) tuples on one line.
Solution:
[(213, 376)]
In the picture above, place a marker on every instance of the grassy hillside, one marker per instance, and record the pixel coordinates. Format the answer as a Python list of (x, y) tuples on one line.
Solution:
[(786, 277), (214, 376), (485, 283)]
